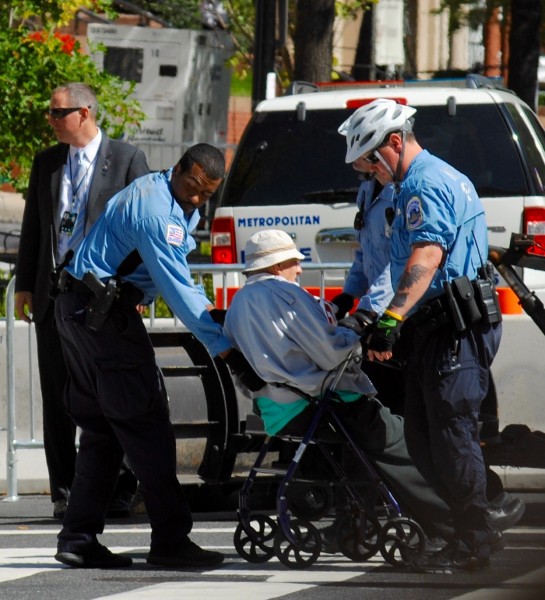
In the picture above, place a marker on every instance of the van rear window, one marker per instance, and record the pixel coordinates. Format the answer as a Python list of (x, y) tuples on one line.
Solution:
[(282, 160)]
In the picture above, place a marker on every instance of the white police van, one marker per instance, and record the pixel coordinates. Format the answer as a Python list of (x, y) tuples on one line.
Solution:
[(289, 171)]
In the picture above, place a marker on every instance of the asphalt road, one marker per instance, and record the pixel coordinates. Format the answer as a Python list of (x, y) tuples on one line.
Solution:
[(28, 570)]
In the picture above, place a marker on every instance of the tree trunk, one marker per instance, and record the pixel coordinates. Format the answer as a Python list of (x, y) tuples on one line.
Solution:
[(492, 43), (363, 68), (313, 40), (524, 49)]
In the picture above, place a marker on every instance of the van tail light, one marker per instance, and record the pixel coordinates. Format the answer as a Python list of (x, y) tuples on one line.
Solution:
[(222, 240), (359, 102), (534, 224)]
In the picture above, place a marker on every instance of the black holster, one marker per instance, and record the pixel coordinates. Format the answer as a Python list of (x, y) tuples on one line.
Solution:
[(102, 299), (463, 304)]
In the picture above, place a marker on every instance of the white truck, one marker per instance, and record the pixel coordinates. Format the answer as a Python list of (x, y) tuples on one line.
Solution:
[(182, 83)]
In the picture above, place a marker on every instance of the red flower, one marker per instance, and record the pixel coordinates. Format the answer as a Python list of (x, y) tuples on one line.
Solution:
[(36, 36), (68, 42)]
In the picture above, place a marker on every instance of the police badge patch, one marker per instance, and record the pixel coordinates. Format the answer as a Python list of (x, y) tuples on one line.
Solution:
[(413, 213), (175, 235)]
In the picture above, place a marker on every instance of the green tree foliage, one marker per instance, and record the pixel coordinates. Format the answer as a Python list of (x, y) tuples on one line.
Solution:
[(182, 14), (35, 59)]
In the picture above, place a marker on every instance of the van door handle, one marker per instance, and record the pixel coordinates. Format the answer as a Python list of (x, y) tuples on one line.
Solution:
[(337, 235)]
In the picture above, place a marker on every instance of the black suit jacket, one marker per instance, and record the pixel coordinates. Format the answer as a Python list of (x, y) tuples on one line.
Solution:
[(117, 164)]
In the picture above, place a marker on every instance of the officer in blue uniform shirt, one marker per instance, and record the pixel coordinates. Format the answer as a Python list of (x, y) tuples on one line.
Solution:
[(439, 235), (116, 395), (368, 279)]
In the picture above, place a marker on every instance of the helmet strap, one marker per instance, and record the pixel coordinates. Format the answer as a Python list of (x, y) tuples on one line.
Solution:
[(397, 176), (386, 165)]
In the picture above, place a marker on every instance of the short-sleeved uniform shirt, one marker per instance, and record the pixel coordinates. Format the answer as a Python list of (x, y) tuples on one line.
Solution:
[(438, 204), (369, 277), (146, 217)]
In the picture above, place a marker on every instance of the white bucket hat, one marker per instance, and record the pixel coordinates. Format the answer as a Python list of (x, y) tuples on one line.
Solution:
[(267, 248)]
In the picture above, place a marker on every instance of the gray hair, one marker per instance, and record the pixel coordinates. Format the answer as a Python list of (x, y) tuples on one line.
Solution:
[(79, 94)]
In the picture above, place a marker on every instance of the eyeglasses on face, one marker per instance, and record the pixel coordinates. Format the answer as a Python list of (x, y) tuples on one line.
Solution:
[(372, 159), (60, 113), (374, 156)]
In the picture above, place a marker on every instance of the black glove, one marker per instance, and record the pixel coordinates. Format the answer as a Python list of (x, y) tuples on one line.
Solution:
[(218, 315), (344, 303), (244, 371), (359, 321), (386, 334)]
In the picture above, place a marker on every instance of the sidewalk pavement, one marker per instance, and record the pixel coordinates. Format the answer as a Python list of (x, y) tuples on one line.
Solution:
[(205, 500)]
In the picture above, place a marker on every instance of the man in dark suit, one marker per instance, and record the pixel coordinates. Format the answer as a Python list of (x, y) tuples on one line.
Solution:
[(70, 184)]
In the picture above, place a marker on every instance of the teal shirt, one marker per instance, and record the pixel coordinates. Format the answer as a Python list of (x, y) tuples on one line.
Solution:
[(276, 415)]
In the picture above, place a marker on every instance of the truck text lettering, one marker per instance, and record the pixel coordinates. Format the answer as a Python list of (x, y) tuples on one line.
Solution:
[(276, 221)]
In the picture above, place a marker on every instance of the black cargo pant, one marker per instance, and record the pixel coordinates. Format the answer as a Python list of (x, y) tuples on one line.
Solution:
[(59, 429), (116, 394), (447, 379)]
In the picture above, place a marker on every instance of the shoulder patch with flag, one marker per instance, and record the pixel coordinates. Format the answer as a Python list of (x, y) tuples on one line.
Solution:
[(175, 235)]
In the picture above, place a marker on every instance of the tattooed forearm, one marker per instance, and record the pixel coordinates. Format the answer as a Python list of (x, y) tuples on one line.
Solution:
[(399, 299), (409, 279)]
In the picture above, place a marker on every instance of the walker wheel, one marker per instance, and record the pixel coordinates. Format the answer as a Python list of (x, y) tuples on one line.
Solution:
[(358, 537), (401, 540), (307, 549), (256, 547), (309, 501)]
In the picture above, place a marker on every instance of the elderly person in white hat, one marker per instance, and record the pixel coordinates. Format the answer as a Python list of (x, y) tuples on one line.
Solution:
[(288, 338)]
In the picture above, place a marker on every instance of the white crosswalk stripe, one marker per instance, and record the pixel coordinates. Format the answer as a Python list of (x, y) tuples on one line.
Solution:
[(16, 563), (256, 581)]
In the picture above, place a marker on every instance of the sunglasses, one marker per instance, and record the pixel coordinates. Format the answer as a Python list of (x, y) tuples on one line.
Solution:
[(60, 113), (373, 159)]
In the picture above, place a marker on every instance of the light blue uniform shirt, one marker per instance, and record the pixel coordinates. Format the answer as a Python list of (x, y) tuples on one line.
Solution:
[(369, 277), (146, 217), (438, 204), (287, 337)]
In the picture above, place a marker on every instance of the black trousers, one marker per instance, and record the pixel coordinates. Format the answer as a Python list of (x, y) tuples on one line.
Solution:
[(116, 395), (59, 430), (379, 434)]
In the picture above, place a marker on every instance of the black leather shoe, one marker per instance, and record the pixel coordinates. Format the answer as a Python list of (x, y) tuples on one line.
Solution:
[(138, 506), (450, 559), (59, 508), (453, 558), (495, 541), (94, 556), (507, 514), (120, 506), (329, 539), (187, 554)]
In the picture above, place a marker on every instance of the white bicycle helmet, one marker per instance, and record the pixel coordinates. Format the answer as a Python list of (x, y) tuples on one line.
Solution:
[(366, 129)]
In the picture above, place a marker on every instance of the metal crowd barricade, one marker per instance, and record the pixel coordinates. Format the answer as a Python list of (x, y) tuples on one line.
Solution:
[(200, 271), (12, 443)]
